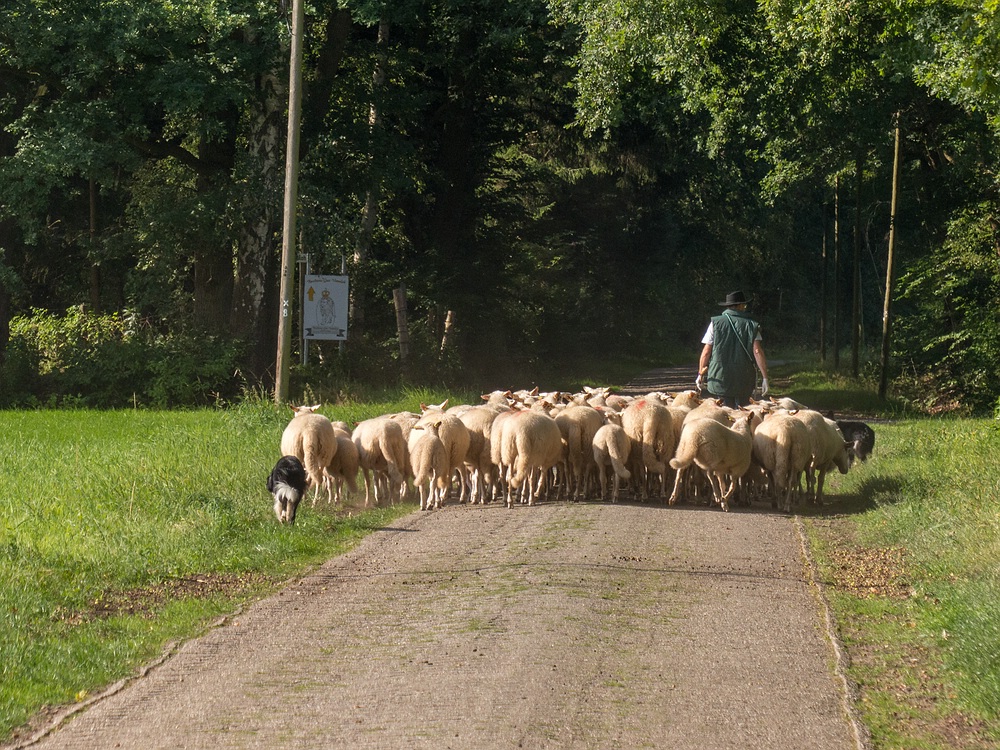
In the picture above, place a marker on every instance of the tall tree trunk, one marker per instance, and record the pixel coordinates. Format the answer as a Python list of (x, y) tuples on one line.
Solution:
[(883, 382), (856, 298), (252, 316)]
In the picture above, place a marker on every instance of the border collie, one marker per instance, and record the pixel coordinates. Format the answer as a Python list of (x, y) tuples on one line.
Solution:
[(288, 485)]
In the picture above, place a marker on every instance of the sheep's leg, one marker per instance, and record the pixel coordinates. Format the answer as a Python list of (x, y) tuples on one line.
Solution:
[(602, 476), (678, 480)]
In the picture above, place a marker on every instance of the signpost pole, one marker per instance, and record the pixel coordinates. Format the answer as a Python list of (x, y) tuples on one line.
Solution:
[(291, 201)]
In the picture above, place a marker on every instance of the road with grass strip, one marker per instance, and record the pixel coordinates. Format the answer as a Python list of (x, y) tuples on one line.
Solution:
[(559, 625)]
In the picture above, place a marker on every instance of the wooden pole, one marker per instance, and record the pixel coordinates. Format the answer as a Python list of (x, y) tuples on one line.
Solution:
[(883, 382), (291, 203), (836, 272), (856, 299), (822, 294), (402, 326)]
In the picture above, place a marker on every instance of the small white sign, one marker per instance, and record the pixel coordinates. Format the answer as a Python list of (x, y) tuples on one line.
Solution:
[(324, 308)]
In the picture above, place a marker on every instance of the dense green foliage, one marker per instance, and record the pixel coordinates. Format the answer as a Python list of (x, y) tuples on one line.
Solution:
[(562, 176)]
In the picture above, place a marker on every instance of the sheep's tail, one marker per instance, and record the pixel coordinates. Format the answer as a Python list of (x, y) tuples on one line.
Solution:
[(619, 455), (782, 461), (619, 466), (395, 458), (649, 457), (686, 451), (315, 467)]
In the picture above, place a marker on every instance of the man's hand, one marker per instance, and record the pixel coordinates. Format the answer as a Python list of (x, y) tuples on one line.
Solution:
[(764, 388), (698, 382)]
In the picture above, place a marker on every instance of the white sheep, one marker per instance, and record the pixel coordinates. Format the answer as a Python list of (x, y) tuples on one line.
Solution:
[(479, 421), (382, 456), (578, 425), (828, 450), (530, 444), (649, 426), (782, 446), (611, 447), (453, 434), (343, 467), (431, 472), (721, 452), (311, 439)]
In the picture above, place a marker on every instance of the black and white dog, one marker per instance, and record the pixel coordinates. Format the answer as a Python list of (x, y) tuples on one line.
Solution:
[(288, 485), (860, 438)]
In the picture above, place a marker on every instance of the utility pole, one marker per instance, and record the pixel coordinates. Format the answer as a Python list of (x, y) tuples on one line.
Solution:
[(883, 381), (291, 202)]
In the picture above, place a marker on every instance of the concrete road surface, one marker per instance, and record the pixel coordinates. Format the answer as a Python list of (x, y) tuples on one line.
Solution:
[(555, 626)]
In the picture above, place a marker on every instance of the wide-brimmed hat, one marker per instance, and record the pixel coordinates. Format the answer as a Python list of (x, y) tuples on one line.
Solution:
[(735, 298)]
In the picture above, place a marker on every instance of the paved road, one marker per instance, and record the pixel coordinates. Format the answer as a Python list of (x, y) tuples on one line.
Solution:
[(556, 626)]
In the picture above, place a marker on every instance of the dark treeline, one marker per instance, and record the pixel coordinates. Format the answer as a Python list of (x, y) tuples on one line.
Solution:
[(563, 179)]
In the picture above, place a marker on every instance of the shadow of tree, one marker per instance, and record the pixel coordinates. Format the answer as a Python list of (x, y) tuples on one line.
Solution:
[(871, 493)]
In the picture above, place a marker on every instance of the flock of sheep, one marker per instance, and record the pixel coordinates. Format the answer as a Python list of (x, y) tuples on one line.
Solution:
[(521, 446)]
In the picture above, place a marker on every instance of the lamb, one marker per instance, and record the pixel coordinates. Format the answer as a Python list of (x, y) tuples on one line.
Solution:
[(287, 484), (718, 450), (343, 468), (649, 426), (453, 434), (611, 447), (431, 472), (311, 439), (782, 446), (381, 452), (530, 444), (578, 425)]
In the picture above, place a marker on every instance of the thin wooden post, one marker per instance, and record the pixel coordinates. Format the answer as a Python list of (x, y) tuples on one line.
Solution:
[(856, 298), (883, 382), (402, 326), (449, 327), (822, 294), (836, 273)]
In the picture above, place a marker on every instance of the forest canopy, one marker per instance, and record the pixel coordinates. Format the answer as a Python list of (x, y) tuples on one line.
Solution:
[(546, 180)]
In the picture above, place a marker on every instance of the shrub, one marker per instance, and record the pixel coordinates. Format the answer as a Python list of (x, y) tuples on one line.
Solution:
[(113, 360)]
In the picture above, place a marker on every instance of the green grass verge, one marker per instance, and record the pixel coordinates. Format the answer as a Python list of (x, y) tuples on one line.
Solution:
[(121, 531), (911, 550)]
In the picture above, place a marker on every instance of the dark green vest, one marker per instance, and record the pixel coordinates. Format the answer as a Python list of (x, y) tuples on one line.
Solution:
[(732, 370)]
